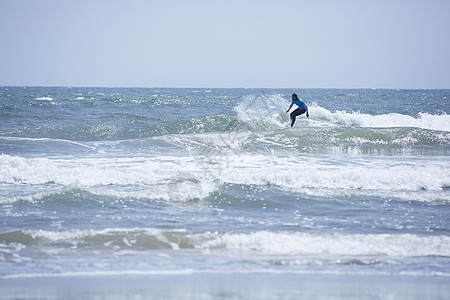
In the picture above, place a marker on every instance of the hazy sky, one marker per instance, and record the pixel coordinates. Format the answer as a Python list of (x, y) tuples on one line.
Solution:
[(279, 43)]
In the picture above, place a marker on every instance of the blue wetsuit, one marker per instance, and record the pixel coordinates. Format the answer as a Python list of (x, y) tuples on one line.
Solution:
[(302, 108), (300, 103)]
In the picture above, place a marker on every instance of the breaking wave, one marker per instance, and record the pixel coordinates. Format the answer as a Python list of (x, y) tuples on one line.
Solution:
[(185, 178), (259, 242)]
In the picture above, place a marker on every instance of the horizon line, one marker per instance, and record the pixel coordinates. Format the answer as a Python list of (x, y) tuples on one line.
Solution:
[(205, 88)]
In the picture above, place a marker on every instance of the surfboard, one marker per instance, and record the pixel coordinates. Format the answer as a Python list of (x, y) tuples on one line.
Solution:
[(294, 107)]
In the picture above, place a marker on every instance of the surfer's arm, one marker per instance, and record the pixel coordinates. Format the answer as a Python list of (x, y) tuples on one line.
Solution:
[(292, 103)]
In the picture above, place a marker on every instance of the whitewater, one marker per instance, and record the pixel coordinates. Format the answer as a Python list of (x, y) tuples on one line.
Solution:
[(127, 181)]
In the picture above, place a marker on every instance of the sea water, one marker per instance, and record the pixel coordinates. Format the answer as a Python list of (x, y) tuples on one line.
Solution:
[(125, 181)]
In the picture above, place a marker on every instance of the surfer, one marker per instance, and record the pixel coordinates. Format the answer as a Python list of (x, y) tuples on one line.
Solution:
[(301, 108)]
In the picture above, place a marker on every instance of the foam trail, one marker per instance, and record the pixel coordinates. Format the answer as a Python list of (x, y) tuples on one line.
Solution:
[(343, 118)]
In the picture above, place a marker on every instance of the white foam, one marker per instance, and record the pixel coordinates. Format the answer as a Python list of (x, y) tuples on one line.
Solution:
[(319, 176), (169, 178), (85, 172), (357, 119), (267, 242), (282, 243), (178, 178), (44, 98), (80, 234), (178, 189), (211, 143)]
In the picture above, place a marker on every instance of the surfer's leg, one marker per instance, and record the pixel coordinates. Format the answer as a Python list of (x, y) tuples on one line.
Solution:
[(293, 116), (296, 113)]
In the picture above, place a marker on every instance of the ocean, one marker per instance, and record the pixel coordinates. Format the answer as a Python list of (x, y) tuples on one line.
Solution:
[(123, 182)]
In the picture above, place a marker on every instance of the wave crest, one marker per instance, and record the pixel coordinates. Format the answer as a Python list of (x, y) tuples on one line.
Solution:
[(391, 120), (259, 242)]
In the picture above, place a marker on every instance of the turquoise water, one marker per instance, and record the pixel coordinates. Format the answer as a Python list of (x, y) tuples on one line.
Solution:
[(122, 181)]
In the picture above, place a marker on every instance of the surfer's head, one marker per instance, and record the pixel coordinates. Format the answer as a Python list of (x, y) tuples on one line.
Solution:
[(294, 97)]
